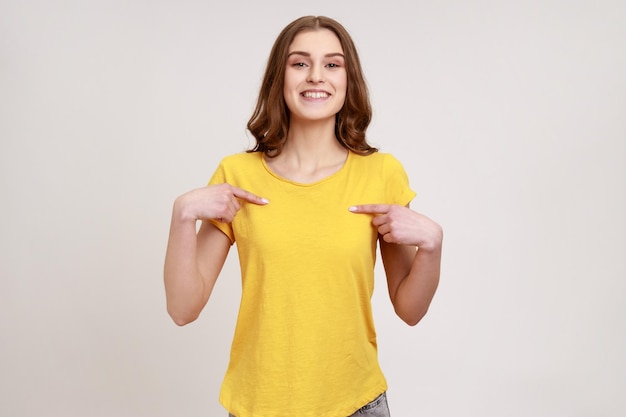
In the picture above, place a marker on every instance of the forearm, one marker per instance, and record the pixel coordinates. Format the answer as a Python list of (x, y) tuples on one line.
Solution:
[(184, 287), (415, 292)]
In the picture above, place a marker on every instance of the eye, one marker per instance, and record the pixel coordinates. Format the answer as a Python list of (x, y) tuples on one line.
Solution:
[(298, 64), (333, 65)]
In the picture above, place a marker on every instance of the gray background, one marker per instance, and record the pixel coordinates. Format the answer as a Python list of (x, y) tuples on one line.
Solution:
[(510, 118)]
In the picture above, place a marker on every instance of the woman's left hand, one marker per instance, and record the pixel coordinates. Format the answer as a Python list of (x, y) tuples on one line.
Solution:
[(401, 225)]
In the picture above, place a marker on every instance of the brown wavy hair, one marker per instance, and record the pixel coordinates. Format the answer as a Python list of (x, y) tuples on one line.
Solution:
[(269, 122)]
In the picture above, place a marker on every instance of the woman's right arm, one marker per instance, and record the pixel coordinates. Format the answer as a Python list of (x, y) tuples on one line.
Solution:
[(194, 258)]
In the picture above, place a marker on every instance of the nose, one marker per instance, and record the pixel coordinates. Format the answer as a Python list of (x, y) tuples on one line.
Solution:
[(315, 75)]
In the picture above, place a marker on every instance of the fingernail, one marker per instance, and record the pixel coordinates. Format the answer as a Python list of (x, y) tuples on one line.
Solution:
[(353, 208), (265, 200)]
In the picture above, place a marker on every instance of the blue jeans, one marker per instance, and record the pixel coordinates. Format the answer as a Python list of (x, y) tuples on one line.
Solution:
[(376, 408)]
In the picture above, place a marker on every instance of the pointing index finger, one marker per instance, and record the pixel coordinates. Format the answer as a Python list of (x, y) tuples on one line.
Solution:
[(249, 197), (370, 208)]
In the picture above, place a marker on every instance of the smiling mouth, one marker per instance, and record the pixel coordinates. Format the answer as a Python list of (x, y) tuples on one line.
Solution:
[(315, 94)]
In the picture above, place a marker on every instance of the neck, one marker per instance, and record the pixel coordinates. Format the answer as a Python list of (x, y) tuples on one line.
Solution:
[(311, 152), (312, 140)]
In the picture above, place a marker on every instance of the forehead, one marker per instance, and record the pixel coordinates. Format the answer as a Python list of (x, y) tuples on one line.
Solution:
[(323, 41)]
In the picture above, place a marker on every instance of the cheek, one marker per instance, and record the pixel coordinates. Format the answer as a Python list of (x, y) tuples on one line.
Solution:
[(288, 87), (289, 95), (289, 79), (342, 87), (342, 82)]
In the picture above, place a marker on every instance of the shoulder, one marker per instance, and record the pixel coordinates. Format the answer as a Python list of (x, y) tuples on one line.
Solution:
[(232, 167), (241, 158), (386, 171), (381, 160)]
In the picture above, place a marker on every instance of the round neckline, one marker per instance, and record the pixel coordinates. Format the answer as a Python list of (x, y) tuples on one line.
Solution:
[(305, 184)]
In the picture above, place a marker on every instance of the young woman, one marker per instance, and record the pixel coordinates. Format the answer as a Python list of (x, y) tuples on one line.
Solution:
[(306, 207)]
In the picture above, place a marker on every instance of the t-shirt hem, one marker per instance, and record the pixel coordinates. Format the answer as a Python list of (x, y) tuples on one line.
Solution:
[(340, 412)]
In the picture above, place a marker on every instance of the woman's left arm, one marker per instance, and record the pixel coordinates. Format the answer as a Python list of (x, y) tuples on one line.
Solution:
[(410, 245)]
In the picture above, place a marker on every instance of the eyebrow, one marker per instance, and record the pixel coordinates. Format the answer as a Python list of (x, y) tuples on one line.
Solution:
[(330, 55)]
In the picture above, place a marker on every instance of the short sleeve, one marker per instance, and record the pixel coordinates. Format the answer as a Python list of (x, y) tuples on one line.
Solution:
[(220, 177), (397, 187)]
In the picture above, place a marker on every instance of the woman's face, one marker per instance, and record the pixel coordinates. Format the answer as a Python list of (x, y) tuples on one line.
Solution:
[(315, 77)]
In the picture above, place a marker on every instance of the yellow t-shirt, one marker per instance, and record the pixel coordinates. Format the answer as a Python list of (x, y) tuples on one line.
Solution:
[(305, 343)]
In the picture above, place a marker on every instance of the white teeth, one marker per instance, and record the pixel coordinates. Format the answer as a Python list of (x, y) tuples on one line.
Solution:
[(315, 94)]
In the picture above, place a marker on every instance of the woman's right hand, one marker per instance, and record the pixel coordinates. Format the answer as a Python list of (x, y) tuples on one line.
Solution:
[(217, 202)]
